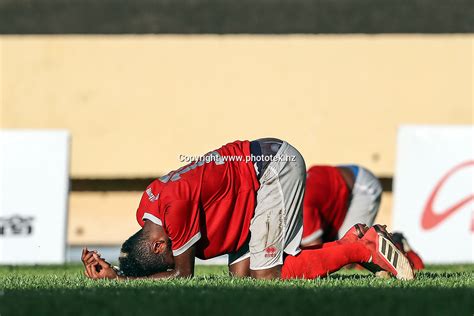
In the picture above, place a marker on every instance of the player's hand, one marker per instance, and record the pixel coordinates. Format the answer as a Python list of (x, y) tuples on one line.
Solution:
[(96, 267), (87, 256), (100, 269)]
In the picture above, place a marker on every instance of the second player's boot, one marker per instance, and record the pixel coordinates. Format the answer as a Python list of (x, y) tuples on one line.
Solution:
[(402, 244)]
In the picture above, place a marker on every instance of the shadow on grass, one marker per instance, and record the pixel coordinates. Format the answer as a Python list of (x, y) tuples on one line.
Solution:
[(191, 299), (64, 290)]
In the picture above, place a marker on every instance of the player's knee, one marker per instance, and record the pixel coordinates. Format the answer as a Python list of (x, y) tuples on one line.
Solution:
[(267, 274)]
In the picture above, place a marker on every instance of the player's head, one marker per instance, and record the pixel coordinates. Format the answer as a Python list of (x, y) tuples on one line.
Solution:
[(146, 252)]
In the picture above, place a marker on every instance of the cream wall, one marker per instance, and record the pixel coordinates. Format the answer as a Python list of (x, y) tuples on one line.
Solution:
[(134, 103)]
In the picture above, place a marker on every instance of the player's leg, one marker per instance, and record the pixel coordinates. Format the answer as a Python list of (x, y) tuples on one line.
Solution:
[(365, 201), (355, 233), (314, 263), (240, 269), (318, 263), (276, 227), (375, 248), (239, 263), (321, 260)]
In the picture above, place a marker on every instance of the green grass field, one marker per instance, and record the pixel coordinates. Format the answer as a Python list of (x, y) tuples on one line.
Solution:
[(52, 290)]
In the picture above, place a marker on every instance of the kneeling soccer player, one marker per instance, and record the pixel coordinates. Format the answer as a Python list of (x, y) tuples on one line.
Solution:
[(218, 205), (339, 197)]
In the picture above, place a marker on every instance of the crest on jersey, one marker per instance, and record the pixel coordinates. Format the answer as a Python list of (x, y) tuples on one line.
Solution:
[(151, 196)]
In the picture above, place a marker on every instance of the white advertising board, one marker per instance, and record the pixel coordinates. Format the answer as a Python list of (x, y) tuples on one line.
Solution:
[(34, 187), (434, 191)]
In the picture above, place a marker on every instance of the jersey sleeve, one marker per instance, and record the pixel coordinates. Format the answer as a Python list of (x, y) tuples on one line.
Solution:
[(312, 226), (181, 222), (148, 209)]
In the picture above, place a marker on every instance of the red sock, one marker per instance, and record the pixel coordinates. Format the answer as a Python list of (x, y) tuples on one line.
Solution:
[(331, 244), (313, 263), (334, 243), (325, 245)]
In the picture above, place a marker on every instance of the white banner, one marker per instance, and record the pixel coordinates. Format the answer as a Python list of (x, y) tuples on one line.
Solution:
[(434, 191), (34, 187)]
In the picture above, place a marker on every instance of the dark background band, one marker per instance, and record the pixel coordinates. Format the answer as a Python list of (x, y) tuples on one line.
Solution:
[(235, 16)]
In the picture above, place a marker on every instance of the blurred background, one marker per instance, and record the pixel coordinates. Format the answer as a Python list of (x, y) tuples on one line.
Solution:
[(139, 83)]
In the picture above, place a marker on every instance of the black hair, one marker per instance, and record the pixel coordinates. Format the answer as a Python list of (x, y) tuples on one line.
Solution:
[(137, 258)]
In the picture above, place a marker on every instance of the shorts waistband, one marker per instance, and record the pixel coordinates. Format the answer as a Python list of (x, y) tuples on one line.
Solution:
[(264, 147), (256, 150)]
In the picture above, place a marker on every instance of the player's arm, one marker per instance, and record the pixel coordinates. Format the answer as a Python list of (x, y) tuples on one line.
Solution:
[(313, 230)]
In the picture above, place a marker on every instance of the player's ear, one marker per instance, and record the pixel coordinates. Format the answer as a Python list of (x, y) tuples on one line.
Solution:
[(159, 246)]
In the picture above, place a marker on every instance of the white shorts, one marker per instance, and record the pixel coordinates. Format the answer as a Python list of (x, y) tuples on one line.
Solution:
[(365, 201), (277, 225)]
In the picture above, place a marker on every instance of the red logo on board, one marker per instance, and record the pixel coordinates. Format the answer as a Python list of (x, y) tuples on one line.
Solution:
[(429, 218)]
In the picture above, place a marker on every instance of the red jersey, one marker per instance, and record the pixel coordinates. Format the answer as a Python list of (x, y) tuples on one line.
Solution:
[(208, 203), (325, 203)]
